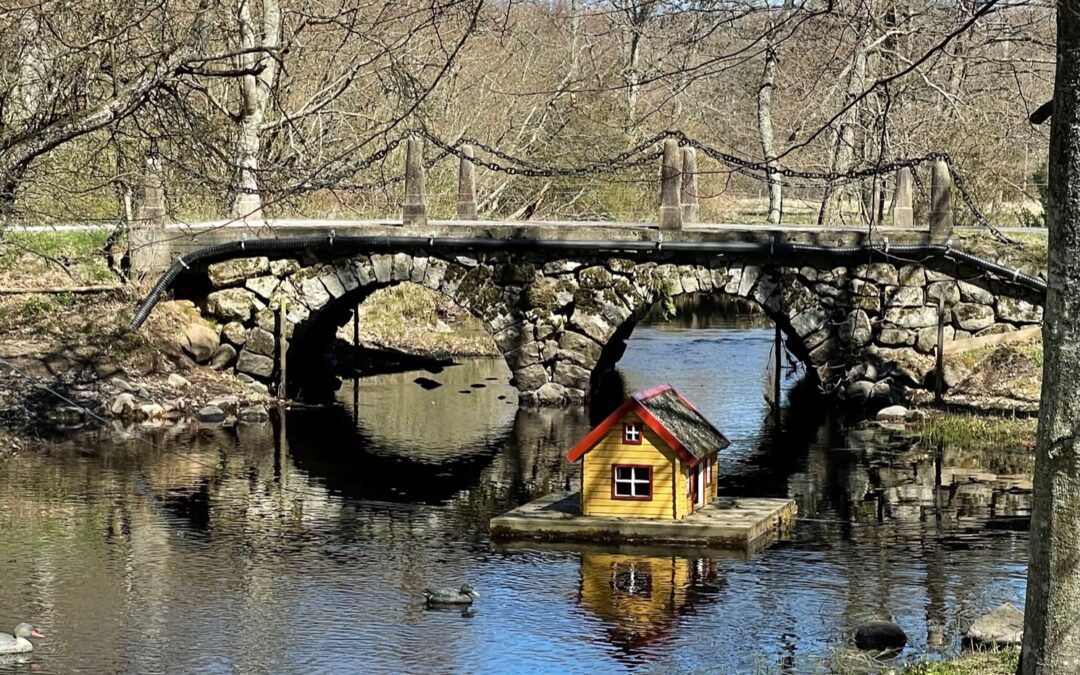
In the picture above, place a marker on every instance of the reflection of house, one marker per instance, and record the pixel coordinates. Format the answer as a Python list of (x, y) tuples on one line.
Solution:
[(640, 596), (654, 457)]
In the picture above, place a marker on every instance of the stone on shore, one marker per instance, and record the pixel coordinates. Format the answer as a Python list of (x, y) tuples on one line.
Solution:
[(199, 341), (223, 357), (893, 412), (210, 414), (1001, 627), (177, 381)]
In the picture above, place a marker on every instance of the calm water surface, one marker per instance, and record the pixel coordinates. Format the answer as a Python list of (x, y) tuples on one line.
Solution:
[(303, 545)]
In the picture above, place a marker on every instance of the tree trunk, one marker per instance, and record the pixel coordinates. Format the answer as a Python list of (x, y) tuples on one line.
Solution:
[(255, 94), (1052, 615), (764, 119)]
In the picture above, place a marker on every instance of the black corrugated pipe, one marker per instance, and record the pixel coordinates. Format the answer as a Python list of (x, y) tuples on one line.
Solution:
[(363, 243)]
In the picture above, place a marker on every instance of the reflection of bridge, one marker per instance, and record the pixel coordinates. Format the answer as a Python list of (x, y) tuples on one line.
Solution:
[(560, 301)]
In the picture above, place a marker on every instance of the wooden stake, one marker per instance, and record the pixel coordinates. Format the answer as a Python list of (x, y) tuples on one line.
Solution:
[(778, 345), (283, 349), (939, 384)]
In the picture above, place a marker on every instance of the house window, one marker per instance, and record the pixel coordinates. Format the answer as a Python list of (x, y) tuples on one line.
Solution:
[(631, 482), (631, 433)]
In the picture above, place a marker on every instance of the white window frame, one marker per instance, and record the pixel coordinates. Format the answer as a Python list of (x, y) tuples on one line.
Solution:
[(633, 481)]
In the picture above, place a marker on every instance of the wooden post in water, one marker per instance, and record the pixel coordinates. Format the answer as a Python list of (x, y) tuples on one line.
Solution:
[(466, 186), (778, 346), (414, 210), (941, 220), (283, 348), (670, 170), (939, 382), (356, 327), (689, 197)]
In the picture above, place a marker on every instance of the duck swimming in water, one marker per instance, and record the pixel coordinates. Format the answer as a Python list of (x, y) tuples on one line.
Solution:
[(20, 642), (451, 596)]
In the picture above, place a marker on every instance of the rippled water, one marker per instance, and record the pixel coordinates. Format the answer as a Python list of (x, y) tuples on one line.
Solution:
[(303, 545)]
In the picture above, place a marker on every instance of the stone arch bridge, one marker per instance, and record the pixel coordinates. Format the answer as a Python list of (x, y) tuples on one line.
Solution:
[(562, 317)]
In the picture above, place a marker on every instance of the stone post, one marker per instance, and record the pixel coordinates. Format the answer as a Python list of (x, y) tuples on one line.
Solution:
[(670, 208), (466, 185), (690, 207), (414, 210), (146, 254), (902, 213), (941, 222)]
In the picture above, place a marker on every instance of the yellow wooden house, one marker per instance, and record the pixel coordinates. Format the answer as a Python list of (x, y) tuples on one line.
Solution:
[(654, 457)]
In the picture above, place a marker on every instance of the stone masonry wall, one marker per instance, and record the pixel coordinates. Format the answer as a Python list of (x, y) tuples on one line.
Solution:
[(552, 319)]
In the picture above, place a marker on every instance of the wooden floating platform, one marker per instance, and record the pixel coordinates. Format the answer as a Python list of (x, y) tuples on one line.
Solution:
[(746, 524)]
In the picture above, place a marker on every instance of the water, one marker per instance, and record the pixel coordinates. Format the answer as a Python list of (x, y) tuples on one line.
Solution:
[(303, 546)]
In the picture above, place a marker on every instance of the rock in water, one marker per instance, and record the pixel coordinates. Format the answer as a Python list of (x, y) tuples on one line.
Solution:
[(880, 635), (210, 414), (1003, 626), (199, 341)]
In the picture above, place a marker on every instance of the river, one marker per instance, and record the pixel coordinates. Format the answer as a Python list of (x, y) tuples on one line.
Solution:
[(303, 545)]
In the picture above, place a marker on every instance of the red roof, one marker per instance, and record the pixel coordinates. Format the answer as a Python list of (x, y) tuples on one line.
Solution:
[(671, 417)]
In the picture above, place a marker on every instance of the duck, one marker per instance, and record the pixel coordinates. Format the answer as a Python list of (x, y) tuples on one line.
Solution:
[(451, 596), (20, 642)]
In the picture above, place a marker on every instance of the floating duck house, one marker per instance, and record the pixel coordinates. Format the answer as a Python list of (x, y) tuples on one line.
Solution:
[(649, 474), (654, 457)]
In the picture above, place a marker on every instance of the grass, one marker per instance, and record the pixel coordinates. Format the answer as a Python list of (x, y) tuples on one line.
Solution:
[(1002, 662), (29, 259), (967, 430), (417, 320)]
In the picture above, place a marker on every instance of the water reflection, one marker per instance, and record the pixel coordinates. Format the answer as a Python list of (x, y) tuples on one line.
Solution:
[(303, 545)]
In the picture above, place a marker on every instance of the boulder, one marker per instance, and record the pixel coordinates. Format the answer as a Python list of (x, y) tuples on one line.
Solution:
[(255, 413), (235, 332), (882, 273), (948, 291), (255, 364), (903, 296), (880, 635), (199, 341), (232, 272), (263, 287), (552, 394), (260, 341), (1018, 311), (231, 304), (151, 411), (177, 381), (859, 390), (282, 268), (1003, 626), (228, 404), (123, 405), (121, 384), (893, 412), (531, 377), (856, 330), (223, 357), (210, 414), (915, 317), (972, 317)]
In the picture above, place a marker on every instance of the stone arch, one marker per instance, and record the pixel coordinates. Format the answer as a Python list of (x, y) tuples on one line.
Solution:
[(251, 290), (558, 320)]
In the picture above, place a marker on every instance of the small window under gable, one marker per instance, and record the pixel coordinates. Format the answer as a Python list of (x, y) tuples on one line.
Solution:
[(631, 433)]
